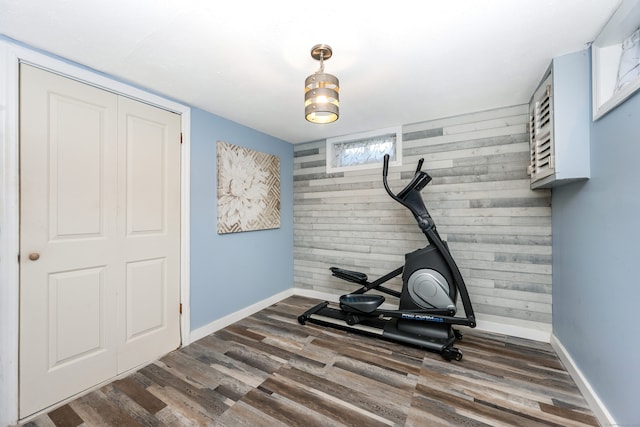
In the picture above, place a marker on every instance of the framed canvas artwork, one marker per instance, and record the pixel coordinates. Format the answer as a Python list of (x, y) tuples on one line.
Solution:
[(248, 189)]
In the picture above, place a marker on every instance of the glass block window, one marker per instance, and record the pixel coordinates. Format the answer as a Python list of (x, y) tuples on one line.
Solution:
[(364, 150)]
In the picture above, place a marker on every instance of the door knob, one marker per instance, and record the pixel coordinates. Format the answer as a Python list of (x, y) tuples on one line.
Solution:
[(34, 256)]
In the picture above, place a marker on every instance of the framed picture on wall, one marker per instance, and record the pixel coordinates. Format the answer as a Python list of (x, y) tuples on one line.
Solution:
[(248, 189)]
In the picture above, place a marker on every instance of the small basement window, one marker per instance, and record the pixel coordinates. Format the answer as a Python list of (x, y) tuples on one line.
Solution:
[(364, 150)]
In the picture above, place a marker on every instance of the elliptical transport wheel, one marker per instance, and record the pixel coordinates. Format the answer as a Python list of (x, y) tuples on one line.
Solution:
[(451, 353), (352, 319)]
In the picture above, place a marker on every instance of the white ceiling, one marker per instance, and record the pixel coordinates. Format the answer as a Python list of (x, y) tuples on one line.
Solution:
[(398, 62)]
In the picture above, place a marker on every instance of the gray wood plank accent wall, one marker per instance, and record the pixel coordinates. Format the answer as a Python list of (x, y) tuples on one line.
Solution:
[(498, 230)]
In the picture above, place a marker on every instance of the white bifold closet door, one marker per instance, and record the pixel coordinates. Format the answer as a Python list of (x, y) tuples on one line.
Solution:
[(99, 236)]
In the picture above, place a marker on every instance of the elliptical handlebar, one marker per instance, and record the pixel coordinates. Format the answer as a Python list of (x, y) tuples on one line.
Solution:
[(385, 171), (419, 180), (385, 167)]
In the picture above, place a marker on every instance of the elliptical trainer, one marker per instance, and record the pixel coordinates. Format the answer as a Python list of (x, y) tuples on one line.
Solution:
[(431, 282)]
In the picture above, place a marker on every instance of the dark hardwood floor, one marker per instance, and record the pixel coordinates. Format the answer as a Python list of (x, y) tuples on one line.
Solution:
[(268, 370)]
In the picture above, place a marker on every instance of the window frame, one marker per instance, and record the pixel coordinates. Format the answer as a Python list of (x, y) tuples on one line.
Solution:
[(332, 142)]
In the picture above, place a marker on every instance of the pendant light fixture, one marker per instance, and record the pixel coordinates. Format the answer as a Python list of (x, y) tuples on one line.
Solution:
[(321, 101)]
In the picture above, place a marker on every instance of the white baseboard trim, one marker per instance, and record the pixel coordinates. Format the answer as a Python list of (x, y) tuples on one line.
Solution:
[(325, 296), (597, 406), (514, 327), (521, 329), (227, 320)]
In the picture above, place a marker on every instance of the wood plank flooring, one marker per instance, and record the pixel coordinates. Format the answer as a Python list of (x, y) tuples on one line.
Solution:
[(268, 370)]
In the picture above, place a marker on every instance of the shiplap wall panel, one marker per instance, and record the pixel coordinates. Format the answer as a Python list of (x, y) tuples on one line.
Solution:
[(498, 230)]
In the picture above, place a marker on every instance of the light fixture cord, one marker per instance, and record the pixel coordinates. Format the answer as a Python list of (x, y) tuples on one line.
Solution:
[(321, 70)]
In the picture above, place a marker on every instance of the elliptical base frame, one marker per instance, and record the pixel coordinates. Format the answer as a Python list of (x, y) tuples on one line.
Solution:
[(384, 328)]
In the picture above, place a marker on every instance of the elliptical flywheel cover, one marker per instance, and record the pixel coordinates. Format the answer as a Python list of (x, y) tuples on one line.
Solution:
[(429, 289)]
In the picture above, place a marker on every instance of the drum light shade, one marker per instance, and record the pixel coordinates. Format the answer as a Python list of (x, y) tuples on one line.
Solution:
[(321, 98)]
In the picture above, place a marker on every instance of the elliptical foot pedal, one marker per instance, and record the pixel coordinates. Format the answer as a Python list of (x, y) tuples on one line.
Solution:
[(349, 275), (360, 303)]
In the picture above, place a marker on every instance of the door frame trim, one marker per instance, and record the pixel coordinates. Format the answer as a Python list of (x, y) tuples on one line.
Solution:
[(11, 55)]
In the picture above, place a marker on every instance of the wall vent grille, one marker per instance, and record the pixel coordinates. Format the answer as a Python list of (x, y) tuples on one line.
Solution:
[(541, 132)]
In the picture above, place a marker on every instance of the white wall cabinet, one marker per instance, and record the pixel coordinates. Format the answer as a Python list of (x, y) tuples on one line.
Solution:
[(559, 123)]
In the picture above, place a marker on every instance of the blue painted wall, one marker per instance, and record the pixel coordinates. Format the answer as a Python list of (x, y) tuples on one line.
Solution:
[(232, 271), (596, 254)]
